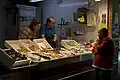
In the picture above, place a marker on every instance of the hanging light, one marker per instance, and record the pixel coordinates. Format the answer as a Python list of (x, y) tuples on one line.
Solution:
[(35, 0), (97, 0)]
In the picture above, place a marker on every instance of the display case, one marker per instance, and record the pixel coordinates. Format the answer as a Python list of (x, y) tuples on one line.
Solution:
[(71, 47), (70, 44), (44, 60), (32, 50), (21, 47), (39, 50), (10, 58)]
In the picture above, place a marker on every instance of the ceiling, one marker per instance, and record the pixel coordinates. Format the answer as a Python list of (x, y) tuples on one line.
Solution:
[(24, 2), (21, 1)]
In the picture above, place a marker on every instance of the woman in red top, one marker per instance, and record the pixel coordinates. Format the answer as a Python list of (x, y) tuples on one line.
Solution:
[(103, 51)]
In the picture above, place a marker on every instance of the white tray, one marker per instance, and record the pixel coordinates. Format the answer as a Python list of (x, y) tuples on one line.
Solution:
[(16, 45), (30, 45), (43, 43), (74, 44), (9, 62)]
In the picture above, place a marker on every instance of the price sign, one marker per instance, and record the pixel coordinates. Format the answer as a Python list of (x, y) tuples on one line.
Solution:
[(81, 15), (82, 18)]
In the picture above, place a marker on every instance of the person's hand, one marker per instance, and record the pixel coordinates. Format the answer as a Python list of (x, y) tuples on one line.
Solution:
[(42, 36), (54, 38), (94, 47), (94, 44)]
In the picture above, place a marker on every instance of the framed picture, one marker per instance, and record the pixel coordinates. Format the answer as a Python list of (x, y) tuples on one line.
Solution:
[(103, 21)]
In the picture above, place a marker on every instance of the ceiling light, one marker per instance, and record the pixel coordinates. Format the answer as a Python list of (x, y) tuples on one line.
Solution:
[(35, 0), (97, 0)]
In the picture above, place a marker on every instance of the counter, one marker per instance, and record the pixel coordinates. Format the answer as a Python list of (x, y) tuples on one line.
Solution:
[(69, 67), (50, 69), (58, 64)]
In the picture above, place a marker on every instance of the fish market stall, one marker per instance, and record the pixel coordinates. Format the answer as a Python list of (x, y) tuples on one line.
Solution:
[(39, 57)]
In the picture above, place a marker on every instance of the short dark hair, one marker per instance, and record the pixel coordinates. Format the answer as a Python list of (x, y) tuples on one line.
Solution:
[(104, 31), (49, 19)]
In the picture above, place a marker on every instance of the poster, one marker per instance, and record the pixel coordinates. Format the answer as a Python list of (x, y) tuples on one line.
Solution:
[(27, 13), (103, 21), (91, 19)]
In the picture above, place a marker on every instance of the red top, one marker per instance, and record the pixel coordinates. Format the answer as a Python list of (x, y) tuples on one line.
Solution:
[(103, 53)]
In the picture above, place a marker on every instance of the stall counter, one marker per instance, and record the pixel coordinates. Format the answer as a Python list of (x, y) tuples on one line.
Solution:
[(50, 69)]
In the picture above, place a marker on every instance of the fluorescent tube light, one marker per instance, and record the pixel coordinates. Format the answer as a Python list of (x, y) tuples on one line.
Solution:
[(97, 0), (35, 0)]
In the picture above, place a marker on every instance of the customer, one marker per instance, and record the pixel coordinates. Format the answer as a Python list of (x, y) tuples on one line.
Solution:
[(103, 51), (48, 31), (30, 32)]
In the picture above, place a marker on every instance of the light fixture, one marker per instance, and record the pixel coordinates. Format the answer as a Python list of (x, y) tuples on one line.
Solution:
[(97, 0), (35, 0)]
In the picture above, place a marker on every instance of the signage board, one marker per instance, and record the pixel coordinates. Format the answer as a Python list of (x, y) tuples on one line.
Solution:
[(27, 13)]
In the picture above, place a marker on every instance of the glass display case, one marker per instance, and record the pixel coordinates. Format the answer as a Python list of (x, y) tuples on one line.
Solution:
[(39, 55), (39, 50)]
